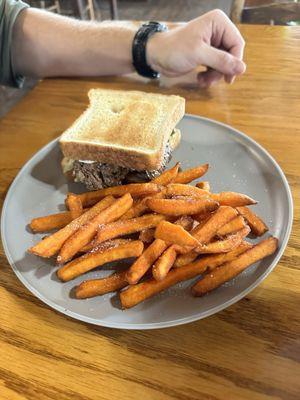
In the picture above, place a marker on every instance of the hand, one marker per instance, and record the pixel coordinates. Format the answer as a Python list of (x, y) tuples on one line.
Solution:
[(211, 40)]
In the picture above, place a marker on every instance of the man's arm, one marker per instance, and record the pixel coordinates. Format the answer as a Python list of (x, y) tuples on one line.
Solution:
[(46, 44)]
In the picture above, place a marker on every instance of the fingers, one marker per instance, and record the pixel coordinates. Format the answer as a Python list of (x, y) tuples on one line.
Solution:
[(227, 35), (229, 79), (222, 61), (208, 78), (237, 51)]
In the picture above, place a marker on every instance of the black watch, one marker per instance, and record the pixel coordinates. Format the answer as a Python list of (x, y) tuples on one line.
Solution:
[(139, 48)]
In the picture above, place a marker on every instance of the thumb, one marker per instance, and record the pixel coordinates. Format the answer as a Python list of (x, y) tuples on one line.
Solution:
[(221, 61)]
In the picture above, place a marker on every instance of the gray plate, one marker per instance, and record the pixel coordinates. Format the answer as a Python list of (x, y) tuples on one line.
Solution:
[(237, 163)]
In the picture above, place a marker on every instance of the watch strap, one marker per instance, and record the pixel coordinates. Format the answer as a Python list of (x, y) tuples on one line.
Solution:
[(139, 44)]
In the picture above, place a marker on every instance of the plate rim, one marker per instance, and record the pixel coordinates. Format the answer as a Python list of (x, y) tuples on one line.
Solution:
[(166, 324)]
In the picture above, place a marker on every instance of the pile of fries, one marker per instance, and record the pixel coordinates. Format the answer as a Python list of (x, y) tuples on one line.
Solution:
[(174, 231)]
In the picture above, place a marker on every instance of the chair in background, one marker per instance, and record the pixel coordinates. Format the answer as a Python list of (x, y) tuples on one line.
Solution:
[(48, 5), (270, 12), (114, 9), (87, 8), (84, 9)]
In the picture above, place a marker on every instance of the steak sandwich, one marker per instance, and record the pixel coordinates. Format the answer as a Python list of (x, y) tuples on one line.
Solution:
[(122, 137)]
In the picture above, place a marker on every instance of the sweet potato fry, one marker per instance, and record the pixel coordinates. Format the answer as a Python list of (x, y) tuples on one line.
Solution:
[(219, 218), (164, 263), (174, 234), (232, 268), (182, 249), (232, 199), (74, 204), (189, 175), (204, 233), (181, 207), (204, 185), (137, 209), (167, 176), (98, 287), (179, 189), (186, 222), (232, 226), (121, 228), (135, 189), (49, 246), (223, 246), (257, 225), (140, 207), (203, 217), (95, 259), (137, 293), (185, 258), (50, 222), (86, 233), (145, 261), (93, 245), (147, 235)]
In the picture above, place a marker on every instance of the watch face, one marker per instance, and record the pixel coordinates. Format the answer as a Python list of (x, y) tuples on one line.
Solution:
[(159, 26)]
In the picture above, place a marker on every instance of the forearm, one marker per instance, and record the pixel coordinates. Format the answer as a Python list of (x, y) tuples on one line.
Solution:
[(45, 44)]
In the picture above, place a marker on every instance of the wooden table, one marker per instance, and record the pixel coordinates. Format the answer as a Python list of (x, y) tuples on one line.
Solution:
[(249, 351)]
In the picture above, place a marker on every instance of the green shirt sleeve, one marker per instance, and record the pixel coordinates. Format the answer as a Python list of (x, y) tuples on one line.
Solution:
[(9, 10)]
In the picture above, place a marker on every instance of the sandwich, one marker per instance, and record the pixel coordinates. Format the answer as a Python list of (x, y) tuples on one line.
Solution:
[(122, 137)]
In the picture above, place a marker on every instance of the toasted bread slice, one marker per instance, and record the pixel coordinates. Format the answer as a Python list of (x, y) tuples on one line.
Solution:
[(68, 163), (129, 128)]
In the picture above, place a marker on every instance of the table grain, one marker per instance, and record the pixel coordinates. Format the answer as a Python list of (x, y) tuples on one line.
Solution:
[(250, 350)]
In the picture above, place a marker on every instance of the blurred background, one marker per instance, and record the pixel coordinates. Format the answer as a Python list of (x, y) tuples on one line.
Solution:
[(269, 12), (178, 10)]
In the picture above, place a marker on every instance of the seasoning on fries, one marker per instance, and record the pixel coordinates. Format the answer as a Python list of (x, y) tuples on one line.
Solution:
[(96, 258), (49, 246), (186, 221), (168, 176), (175, 234), (164, 263), (223, 246), (74, 204), (135, 189), (126, 227), (98, 287), (232, 268), (93, 245), (178, 232), (137, 293), (179, 189), (257, 225), (232, 199), (232, 226), (191, 174), (177, 207), (145, 261), (140, 207), (204, 233), (86, 232), (147, 235), (50, 222)]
